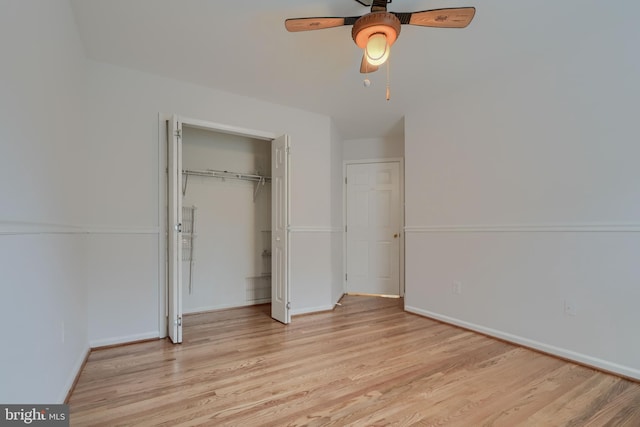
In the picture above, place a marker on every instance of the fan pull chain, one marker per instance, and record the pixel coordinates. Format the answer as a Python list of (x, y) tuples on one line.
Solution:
[(388, 81)]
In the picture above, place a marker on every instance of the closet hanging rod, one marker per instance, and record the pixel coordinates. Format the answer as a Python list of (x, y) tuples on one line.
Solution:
[(226, 174)]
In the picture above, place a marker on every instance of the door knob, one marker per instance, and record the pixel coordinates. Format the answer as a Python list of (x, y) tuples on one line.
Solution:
[(395, 236)]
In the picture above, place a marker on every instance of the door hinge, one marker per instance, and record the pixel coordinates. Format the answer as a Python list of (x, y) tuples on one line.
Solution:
[(178, 133), (178, 227), (345, 277), (288, 150), (179, 321), (289, 305)]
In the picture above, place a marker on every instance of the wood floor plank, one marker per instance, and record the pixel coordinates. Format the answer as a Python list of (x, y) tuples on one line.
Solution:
[(367, 363)]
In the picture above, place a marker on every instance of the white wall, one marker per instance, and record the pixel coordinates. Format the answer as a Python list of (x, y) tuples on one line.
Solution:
[(232, 229), (525, 191), (336, 218), (42, 176), (124, 155), (373, 148)]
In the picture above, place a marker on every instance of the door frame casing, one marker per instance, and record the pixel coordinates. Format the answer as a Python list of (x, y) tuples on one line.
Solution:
[(400, 161), (163, 279), (174, 240)]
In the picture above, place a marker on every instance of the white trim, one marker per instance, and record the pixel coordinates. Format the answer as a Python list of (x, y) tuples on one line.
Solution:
[(314, 229), (526, 228), (163, 285), (17, 227), (232, 130), (208, 308), (122, 230), (75, 373), (545, 348), (380, 160), (163, 309), (400, 161), (25, 228), (309, 310), (124, 339)]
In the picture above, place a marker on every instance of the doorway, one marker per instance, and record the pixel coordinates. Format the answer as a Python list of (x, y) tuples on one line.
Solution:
[(241, 256), (226, 220), (373, 233)]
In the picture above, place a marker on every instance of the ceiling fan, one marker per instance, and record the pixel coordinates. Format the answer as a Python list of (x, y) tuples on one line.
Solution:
[(376, 31)]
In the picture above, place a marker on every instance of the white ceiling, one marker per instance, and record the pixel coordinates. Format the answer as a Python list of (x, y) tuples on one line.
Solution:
[(241, 46)]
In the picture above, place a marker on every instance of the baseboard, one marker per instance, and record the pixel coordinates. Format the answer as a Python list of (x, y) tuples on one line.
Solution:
[(582, 359), (338, 302), (124, 344), (309, 310), (207, 308), (122, 340), (365, 294), (293, 312), (73, 379), (313, 229)]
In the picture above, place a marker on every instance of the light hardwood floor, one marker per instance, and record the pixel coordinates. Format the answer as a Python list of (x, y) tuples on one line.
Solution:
[(367, 363)]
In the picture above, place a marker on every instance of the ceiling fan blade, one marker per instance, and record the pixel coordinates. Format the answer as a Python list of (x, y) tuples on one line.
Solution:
[(308, 24), (365, 67), (456, 17)]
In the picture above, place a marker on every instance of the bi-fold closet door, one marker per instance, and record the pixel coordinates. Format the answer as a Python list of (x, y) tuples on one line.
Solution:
[(176, 223), (174, 229)]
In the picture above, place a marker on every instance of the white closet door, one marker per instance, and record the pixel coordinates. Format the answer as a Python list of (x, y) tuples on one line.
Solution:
[(174, 132), (280, 230)]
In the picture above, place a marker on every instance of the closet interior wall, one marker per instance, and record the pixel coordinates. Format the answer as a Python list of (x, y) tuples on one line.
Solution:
[(230, 264)]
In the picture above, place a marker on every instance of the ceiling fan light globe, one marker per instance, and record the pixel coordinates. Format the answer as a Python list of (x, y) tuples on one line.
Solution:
[(377, 50)]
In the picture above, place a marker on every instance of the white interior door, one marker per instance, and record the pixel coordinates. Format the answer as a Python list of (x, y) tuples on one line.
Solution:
[(280, 229), (373, 228), (174, 229)]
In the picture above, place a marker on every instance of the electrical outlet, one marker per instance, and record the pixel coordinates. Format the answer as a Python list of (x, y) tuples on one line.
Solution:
[(457, 288), (569, 308)]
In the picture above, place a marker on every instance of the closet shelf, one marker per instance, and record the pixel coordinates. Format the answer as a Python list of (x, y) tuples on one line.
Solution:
[(213, 173)]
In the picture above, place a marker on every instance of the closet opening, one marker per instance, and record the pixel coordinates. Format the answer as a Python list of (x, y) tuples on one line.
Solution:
[(227, 221)]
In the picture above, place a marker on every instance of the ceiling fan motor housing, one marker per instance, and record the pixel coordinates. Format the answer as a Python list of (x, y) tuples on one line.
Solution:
[(374, 23)]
